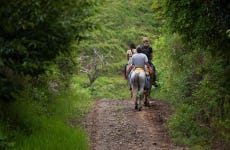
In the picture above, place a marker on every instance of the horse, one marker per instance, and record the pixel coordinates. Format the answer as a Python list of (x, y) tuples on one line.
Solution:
[(147, 83), (137, 80)]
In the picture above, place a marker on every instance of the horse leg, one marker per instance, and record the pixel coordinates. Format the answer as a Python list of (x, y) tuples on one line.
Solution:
[(142, 78), (139, 102), (150, 88), (134, 96), (147, 92), (146, 99), (140, 96)]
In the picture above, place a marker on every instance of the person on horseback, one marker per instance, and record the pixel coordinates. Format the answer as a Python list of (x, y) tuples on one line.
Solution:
[(148, 51), (139, 61), (130, 52), (137, 76)]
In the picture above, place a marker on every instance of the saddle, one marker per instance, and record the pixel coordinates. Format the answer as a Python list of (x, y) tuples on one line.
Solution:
[(139, 69), (148, 70)]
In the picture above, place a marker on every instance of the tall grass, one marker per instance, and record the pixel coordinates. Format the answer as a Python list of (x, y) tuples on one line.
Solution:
[(110, 87), (41, 120), (54, 135)]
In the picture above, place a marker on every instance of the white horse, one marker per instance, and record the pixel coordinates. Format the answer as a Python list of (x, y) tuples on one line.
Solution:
[(138, 83)]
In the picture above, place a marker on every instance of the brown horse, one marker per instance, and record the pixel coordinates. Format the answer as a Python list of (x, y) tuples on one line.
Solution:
[(148, 85)]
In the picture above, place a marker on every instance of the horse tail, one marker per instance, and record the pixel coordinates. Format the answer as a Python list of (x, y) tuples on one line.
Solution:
[(136, 78)]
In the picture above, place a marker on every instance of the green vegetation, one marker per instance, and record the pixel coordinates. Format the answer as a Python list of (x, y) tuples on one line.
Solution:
[(43, 121), (57, 56), (37, 99), (195, 76), (191, 52), (112, 87), (54, 135)]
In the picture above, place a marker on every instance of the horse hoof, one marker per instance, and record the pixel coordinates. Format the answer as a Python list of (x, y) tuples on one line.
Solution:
[(136, 107), (140, 108)]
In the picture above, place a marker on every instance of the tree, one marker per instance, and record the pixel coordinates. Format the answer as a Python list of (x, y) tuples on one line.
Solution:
[(33, 33), (94, 65), (204, 67)]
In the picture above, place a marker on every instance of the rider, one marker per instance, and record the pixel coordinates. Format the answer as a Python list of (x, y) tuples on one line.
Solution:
[(148, 51), (138, 60), (129, 55)]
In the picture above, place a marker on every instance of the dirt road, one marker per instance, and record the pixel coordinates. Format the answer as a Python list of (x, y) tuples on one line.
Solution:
[(116, 125)]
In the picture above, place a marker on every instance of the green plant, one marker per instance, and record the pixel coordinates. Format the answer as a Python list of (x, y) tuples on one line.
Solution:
[(110, 87)]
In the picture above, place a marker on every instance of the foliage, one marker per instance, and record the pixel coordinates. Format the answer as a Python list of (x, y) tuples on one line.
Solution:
[(184, 125), (110, 87), (44, 119), (203, 23), (54, 135), (36, 67), (195, 75), (34, 32), (120, 24)]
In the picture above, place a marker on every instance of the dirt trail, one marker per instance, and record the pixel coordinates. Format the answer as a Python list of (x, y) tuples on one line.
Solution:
[(115, 125)]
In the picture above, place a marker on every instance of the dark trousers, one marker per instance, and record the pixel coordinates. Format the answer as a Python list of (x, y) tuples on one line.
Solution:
[(124, 71)]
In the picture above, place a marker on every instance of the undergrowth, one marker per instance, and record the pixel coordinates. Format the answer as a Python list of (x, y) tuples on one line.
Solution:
[(40, 119)]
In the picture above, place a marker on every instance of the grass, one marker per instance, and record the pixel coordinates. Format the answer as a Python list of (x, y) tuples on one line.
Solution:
[(54, 135), (110, 87), (43, 123)]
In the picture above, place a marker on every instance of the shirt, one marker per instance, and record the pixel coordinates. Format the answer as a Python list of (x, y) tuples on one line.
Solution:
[(139, 60), (130, 54), (147, 50)]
